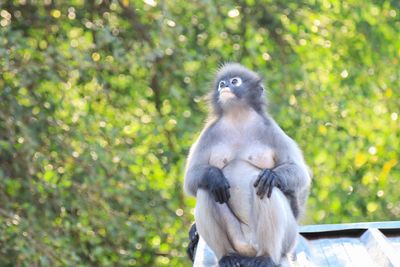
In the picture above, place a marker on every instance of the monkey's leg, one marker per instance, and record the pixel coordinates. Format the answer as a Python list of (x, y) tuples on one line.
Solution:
[(235, 234), (275, 228), (219, 227), (210, 224)]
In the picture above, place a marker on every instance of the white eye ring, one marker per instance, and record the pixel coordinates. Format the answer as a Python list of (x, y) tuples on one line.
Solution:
[(236, 81), (221, 85)]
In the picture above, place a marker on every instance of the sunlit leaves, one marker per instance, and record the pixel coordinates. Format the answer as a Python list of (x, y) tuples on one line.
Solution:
[(101, 100)]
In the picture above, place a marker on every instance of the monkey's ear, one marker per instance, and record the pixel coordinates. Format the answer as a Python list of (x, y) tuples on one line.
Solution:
[(260, 81)]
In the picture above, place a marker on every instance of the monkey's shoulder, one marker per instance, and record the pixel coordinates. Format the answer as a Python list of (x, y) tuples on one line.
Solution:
[(208, 134), (272, 134)]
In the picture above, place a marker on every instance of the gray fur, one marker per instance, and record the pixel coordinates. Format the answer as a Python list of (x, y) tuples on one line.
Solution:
[(242, 139), (255, 97)]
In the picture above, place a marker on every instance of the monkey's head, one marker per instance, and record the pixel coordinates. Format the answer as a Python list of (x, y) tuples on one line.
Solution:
[(236, 86)]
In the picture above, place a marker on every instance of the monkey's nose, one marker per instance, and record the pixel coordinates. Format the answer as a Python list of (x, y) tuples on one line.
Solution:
[(225, 90)]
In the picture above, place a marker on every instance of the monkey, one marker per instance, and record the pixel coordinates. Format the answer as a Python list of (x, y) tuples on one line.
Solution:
[(249, 178)]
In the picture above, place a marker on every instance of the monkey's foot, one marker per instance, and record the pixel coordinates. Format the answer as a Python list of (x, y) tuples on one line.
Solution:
[(235, 260), (194, 239), (231, 260)]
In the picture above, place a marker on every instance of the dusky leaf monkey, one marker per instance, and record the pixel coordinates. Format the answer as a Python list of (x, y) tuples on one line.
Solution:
[(249, 178)]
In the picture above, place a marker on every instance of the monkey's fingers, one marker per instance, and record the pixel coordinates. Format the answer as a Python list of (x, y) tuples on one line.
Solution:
[(263, 191), (270, 191), (224, 194), (221, 195), (259, 177), (274, 183), (228, 194), (216, 195), (262, 187), (226, 198), (271, 184), (267, 185), (226, 190)]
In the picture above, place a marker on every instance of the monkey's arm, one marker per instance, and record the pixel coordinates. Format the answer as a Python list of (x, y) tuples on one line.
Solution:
[(200, 174), (291, 170), (294, 179), (290, 174)]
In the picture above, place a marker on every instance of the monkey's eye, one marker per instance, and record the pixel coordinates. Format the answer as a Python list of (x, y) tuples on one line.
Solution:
[(236, 81), (222, 84)]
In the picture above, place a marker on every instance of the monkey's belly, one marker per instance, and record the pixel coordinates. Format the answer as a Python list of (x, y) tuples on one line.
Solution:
[(241, 176)]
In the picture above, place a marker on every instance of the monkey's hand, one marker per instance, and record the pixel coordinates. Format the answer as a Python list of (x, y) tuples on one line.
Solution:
[(216, 183), (265, 182)]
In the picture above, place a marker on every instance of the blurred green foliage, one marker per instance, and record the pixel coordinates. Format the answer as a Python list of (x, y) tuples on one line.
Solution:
[(100, 101)]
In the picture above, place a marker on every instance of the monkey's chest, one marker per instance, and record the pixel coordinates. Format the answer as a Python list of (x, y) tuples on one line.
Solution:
[(256, 154)]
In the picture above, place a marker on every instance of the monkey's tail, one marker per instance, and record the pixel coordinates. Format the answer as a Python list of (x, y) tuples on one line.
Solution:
[(193, 241)]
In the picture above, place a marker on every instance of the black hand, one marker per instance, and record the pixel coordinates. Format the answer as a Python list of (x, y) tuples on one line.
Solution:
[(216, 183), (265, 182)]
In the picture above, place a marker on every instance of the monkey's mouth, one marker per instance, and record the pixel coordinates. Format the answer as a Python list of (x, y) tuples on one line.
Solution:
[(225, 90), (226, 95)]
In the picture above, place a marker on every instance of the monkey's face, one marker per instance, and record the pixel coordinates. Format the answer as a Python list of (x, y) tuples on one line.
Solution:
[(229, 88), (237, 85)]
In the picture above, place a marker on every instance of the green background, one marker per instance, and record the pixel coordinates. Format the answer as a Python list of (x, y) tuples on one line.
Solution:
[(101, 100)]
